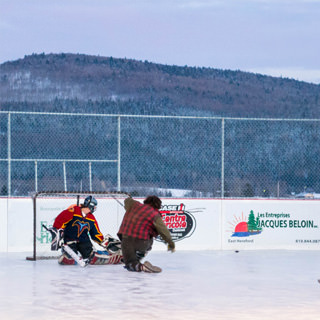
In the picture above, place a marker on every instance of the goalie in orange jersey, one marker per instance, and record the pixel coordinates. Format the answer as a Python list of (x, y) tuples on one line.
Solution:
[(73, 226)]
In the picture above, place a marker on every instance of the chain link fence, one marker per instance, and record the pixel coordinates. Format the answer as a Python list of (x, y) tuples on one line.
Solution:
[(164, 155)]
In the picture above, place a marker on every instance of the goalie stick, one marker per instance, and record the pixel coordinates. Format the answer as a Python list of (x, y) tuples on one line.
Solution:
[(74, 256), (71, 253)]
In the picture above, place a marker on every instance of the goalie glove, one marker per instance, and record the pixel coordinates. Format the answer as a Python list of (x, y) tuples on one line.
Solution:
[(112, 245), (56, 238)]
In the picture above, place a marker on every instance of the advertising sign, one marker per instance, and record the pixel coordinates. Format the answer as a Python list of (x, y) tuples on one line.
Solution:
[(180, 222), (271, 224), (193, 224)]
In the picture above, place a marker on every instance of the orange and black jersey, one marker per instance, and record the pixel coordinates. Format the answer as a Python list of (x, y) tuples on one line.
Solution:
[(76, 227)]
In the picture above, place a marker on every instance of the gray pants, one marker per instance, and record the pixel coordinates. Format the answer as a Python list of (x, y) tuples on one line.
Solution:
[(133, 250)]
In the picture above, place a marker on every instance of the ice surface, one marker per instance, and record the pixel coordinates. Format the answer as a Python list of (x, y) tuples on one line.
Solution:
[(193, 285)]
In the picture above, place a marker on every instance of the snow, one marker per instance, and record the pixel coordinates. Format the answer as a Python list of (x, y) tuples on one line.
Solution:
[(193, 285)]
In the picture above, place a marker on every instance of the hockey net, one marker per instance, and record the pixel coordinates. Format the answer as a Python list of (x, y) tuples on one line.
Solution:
[(48, 204)]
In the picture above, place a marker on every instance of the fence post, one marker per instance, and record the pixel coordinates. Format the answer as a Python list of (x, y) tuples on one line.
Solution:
[(119, 153), (90, 177), (222, 158), (36, 176), (9, 154), (64, 176)]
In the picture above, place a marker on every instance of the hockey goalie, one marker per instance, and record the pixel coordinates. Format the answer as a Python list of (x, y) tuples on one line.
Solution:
[(72, 230)]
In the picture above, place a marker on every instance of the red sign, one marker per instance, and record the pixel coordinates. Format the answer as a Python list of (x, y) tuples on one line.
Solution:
[(180, 222)]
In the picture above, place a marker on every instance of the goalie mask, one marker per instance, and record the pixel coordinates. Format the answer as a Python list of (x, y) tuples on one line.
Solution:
[(91, 203)]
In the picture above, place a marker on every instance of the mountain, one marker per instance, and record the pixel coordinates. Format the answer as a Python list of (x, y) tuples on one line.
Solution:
[(83, 83), (261, 158)]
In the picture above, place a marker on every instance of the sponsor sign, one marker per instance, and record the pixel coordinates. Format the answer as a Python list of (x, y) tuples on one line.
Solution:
[(180, 222), (272, 224)]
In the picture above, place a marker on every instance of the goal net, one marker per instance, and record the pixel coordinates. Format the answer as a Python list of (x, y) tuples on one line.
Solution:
[(48, 204)]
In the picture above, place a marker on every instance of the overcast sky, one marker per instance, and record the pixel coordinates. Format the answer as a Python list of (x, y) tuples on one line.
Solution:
[(273, 37)]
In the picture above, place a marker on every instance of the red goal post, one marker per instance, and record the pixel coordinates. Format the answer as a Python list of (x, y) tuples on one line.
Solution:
[(48, 204)]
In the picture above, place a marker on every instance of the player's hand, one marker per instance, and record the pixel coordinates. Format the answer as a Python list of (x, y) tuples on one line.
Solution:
[(171, 247)]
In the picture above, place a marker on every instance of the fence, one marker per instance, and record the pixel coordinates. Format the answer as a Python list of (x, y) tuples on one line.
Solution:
[(166, 155)]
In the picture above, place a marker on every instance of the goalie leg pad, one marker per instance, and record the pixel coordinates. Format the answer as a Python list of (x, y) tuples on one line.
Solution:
[(103, 258), (65, 260), (116, 259)]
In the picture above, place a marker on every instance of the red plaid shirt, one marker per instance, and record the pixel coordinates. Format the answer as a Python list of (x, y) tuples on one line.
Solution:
[(138, 221)]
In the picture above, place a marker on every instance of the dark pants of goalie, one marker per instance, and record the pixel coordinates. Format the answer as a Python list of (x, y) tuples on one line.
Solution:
[(133, 250), (85, 248)]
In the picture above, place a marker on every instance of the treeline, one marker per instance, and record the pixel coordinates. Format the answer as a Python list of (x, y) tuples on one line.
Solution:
[(81, 83)]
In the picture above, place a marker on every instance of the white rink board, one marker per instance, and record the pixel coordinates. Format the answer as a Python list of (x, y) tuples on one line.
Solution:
[(286, 224), (19, 225), (3, 224), (205, 233)]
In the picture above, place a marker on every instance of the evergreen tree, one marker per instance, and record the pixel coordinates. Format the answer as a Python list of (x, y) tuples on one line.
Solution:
[(252, 223)]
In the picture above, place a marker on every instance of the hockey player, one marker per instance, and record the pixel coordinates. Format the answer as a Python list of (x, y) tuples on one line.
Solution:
[(140, 224), (72, 228)]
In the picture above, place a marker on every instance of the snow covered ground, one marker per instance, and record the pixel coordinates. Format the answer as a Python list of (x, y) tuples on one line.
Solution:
[(193, 285)]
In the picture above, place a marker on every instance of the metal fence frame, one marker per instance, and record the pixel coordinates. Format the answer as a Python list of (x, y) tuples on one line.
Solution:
[(223, 120)]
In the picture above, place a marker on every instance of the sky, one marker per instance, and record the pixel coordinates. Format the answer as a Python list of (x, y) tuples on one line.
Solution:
[(272, 37)]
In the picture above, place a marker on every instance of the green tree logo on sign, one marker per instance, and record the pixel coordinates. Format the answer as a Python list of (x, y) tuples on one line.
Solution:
[(253, 223)]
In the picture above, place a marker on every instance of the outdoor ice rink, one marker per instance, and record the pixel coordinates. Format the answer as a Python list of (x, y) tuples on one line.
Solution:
[(193, 285)]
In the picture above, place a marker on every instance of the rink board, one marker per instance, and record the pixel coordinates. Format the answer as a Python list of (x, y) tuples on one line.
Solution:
[(195, 224)]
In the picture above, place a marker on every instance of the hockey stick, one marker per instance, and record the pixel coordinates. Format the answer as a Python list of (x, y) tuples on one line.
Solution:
[(71, 253), (74, 256), (117, 200)]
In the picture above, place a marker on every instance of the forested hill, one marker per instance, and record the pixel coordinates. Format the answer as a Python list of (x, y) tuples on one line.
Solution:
[(83, 83)]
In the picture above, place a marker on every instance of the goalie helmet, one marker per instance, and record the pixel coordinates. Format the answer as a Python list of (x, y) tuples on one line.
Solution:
[(91, 203)]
